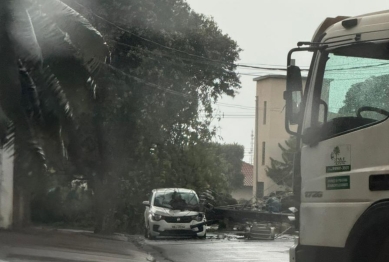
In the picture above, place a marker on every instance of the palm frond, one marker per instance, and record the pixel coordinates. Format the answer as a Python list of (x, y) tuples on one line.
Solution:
[(55, 104), (82, 34), (24, 37), (29, 155), (9, 138), (30, 100), (11, 96), (4, 126), (58, 49), (54, 43), (52, 95)]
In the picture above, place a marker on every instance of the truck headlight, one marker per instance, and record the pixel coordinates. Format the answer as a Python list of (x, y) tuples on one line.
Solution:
[(156, 217)]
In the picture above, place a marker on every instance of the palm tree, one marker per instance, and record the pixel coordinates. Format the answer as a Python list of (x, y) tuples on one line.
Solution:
[(50, 55)]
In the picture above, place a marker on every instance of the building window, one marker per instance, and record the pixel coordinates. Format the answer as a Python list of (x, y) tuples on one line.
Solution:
[(260, 189), (263, 153), (264, 112)]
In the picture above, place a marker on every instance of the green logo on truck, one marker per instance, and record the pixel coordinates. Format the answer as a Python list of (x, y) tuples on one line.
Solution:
[(338, 182), (339, 159)]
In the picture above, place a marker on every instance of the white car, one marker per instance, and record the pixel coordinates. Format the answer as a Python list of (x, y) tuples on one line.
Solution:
[(174, 212)]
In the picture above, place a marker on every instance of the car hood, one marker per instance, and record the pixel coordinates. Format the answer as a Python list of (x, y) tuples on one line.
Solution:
[(163, 211)]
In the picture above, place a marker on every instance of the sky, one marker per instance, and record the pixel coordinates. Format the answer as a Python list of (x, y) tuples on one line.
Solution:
[(266, 30)]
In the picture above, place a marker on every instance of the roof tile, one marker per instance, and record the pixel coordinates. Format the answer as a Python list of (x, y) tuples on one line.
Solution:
[(247, 171)]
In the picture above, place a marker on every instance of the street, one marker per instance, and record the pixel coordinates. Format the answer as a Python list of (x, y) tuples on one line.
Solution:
[(66, 246), (218, 250)]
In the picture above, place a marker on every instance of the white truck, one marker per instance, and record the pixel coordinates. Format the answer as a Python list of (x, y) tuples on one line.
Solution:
[(341, 172)]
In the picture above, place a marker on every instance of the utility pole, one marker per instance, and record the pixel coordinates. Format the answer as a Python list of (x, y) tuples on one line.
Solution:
[(252, 148), (255, 178)]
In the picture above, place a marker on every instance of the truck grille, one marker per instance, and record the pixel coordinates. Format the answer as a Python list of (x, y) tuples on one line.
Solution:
[(185, 219)]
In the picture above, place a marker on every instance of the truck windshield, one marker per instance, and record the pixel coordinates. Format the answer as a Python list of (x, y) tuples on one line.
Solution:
[(355, 88)]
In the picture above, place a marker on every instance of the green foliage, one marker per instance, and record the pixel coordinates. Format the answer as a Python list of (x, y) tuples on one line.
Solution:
[(168, 66), (233, 154), (152, 94), (70, 205), (34, 46), (201, 167), (281, 172), (371, 92)]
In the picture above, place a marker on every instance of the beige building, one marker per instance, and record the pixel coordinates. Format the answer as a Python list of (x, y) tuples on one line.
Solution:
[(270, 129)]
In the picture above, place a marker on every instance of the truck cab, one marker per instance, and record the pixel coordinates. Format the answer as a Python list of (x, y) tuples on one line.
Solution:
[(341, 173)]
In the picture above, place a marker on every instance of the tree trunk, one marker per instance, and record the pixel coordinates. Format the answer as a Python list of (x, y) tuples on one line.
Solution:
[(21, 208), (104, 206), (10, 101)]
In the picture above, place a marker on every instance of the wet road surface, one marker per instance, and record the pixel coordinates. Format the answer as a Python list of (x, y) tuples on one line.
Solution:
[(220, 250)]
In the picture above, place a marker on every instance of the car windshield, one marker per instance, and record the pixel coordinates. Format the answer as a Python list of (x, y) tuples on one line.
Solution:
[(177, 200)]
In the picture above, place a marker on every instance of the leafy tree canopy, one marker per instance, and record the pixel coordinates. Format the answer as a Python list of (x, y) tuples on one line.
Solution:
[(96, 114), (374, 92), (281, 172)]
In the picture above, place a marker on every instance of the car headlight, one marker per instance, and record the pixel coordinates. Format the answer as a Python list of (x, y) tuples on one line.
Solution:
[(198, 217), (156, 217)]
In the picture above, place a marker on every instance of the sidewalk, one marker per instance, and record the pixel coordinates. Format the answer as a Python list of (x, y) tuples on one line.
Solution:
[(67, 246)]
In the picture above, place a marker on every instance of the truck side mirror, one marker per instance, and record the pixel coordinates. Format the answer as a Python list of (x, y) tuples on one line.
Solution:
[(293, 95), (146, 203)]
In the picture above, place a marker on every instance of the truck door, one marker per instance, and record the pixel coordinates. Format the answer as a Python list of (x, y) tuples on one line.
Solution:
[(346, 140)]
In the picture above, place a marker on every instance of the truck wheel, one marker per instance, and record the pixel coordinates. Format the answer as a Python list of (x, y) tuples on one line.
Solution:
[(369, 239), (383, 254)]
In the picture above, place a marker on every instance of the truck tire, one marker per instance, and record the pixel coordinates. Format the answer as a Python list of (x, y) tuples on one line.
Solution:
[(383, 254), (369, 239)]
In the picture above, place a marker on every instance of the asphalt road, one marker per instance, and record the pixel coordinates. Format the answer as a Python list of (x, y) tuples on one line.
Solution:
[(67, 246), (219, 250)]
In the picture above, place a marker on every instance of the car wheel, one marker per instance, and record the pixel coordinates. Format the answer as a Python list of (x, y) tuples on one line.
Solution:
[(146, 232), (203, 237), (149, 235)]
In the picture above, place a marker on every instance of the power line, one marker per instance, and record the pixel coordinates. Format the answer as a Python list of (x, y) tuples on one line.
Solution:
[(139, 80), (177, 50), (187, 95), (146, 39), (264, 71), (208, 60), (235, 105)]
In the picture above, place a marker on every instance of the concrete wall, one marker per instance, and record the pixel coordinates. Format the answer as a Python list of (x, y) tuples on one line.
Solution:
[(6, 187), (273, 131), (245, 193)]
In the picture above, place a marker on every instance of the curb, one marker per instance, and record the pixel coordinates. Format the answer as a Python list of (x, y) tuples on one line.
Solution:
[(115, 237)]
